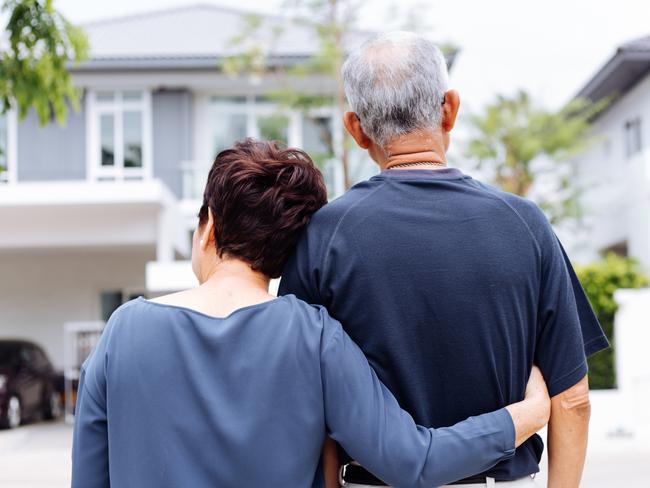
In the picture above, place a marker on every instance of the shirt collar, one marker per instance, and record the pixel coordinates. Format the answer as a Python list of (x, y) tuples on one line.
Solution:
[(410, 174)]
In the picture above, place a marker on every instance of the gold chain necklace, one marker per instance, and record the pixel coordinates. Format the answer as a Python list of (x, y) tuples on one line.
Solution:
[(418, 163)]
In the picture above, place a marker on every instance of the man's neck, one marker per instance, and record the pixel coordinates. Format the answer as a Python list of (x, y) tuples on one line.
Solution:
[(415, 148)]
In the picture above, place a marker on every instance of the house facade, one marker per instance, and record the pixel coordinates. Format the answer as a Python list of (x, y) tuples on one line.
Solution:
[(101, 210), (614, 173)]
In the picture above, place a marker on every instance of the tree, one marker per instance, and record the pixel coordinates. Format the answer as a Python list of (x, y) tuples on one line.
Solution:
[(333, 22), (33, 66), (522, 144)]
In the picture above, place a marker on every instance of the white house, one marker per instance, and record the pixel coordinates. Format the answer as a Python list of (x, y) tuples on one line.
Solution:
[(614, 173), (101, 210)]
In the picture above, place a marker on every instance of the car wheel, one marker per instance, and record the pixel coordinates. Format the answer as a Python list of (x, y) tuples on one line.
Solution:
[(52, 407), (14, 412)]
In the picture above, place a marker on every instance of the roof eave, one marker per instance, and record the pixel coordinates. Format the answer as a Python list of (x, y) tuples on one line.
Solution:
[(184, 63), (617, 76)]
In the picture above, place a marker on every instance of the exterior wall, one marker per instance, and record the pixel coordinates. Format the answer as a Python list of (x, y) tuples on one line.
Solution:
[(624, 412), (52, 152), (40, 291), (616, 197), (172, 136)]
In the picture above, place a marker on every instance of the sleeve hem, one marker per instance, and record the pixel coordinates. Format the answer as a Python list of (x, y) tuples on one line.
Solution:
[(568, 380), (595, 345), (508, 432)]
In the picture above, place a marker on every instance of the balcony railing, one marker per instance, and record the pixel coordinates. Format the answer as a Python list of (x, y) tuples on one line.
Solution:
[(194, 177)]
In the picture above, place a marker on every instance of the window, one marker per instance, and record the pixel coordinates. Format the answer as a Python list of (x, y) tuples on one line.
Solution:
[(111, 300), (229, 119), (119, 147), (273, 127), (40, 359), (27, 355), (232, 119), (230, 123), (633, 142), (236, 118), (318, 142)]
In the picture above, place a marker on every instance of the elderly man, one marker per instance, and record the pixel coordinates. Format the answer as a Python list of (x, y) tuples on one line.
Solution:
[(452, 289)]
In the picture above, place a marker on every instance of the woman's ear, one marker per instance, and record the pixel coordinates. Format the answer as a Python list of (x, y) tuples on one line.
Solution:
[(207, 233)]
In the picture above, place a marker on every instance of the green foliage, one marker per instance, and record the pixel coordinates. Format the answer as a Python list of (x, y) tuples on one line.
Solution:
[(254, 46), (274, 127), (250, 55), (600, 280), (512, 137), (33, 68)]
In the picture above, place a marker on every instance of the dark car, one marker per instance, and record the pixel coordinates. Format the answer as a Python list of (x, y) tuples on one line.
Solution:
[(29, 385)]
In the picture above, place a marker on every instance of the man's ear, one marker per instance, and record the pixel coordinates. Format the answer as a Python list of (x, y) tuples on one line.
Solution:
[(450, 110), (353, 126)]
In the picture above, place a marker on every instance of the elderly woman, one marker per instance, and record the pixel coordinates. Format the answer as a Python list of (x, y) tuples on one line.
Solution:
[(225, 385)]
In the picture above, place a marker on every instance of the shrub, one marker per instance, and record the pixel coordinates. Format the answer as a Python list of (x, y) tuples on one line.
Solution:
[(600, 280)]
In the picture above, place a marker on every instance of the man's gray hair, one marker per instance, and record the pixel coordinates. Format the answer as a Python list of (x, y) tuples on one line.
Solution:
[(395, 83)]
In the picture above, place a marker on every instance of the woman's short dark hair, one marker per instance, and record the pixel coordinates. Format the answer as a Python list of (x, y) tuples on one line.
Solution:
[(261, 196)]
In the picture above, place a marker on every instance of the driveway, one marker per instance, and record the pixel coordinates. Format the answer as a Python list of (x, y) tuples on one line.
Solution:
[(38, 456)]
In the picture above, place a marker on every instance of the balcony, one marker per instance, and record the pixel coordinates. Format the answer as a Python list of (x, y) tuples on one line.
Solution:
[(82, 214)]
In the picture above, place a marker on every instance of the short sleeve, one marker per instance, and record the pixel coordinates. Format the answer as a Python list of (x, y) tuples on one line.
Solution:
[(567, 328), (593, 337)]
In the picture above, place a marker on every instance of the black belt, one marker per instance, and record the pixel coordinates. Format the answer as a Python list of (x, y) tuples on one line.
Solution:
[(351, 473)]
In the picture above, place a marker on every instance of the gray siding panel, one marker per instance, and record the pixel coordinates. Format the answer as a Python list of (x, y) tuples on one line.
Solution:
[(52, 152), (172, 136)]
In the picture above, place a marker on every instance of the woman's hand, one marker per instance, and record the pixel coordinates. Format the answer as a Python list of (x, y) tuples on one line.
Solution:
[(533, 412)]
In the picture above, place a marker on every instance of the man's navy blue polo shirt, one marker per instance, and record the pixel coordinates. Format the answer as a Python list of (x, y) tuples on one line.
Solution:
[(452, 289)]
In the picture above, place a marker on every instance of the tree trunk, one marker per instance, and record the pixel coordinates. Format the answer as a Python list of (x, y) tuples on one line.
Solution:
[(340, 92)]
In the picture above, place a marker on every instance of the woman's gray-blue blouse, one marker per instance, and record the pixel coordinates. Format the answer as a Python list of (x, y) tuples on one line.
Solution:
[(171, 397)]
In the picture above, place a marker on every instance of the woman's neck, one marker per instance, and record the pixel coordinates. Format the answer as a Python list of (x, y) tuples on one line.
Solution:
[(228, 286), (229, 274)]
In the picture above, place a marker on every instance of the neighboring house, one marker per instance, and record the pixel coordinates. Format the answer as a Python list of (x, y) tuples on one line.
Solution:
[(101, 210), (614, 172)]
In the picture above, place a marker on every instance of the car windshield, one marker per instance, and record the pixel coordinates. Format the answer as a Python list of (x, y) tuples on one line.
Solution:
[(8, 352)]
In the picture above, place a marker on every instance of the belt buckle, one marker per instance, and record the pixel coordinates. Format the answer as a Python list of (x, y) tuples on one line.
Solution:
[(342, 471)]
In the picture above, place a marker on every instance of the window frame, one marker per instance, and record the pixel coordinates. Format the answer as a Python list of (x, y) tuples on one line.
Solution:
[(11, 173), (117, 107), (633, 137), (208, 103), (253, 110)]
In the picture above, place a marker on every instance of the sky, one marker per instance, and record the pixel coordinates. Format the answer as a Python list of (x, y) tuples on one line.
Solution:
[(550, 48)]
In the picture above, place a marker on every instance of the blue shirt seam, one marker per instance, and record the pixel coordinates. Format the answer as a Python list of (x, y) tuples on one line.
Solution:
[(523, 221), (338, 226), (87, 389)]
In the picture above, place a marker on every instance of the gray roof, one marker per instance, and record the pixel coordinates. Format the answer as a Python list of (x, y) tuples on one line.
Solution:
[(195, 36), (641, 44), (621, 72)]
